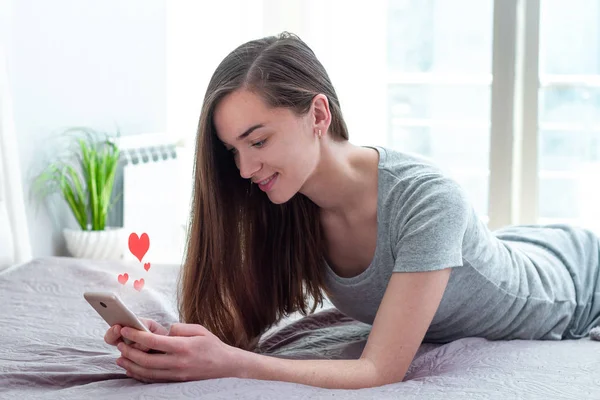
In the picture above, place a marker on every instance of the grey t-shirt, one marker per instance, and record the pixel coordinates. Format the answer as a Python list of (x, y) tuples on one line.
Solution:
[(520, 282)]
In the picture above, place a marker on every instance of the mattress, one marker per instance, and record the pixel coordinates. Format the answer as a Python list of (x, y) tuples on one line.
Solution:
[(52, 347)]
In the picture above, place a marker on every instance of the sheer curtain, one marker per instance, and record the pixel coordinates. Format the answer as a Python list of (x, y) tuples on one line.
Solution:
[(347, 37), (15, 246)]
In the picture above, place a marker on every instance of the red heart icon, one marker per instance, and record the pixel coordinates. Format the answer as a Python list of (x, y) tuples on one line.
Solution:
[(123, 278), (147, 266), (138, 246), (138, 285)]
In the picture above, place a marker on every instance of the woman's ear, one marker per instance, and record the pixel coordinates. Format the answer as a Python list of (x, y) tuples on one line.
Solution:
[(321, 114)]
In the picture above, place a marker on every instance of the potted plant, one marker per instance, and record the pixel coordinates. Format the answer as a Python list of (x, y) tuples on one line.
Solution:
[(85, 181)]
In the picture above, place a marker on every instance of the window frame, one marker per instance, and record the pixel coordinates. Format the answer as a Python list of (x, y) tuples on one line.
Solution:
[(514, 185)]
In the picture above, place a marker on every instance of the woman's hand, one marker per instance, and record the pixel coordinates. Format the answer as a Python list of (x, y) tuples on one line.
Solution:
[(191, 352), (113, 335)]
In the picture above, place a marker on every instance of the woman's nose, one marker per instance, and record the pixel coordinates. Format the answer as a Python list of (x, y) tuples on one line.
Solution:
[(247, 166)]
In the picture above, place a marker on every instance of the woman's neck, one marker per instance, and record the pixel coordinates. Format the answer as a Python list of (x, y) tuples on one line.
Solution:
[(345, 179)]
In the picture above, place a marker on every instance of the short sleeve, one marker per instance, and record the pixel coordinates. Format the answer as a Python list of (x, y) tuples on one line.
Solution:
[(430, 225)]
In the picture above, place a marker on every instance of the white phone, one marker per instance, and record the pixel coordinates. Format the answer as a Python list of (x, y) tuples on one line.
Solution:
[(113, 311)]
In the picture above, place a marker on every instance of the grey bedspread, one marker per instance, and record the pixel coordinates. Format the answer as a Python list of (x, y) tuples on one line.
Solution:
[(52, 347)]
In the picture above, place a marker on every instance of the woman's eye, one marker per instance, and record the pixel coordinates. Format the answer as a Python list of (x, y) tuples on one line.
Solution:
[(260, 144)]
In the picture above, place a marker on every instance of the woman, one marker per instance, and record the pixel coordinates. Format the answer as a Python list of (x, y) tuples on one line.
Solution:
[(286, 208)]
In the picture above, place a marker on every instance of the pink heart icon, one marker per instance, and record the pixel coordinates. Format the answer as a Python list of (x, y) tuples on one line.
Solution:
[(138, 285), (123, 278), (138, 246)]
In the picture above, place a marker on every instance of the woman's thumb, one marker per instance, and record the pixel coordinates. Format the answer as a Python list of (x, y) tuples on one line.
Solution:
[(179, 329)]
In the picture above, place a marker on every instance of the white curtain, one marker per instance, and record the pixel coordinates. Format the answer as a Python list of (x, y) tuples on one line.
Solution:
[(348, 37), (15, 247)]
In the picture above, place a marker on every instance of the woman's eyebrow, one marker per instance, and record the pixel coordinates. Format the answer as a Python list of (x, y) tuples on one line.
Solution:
[(249, 131)]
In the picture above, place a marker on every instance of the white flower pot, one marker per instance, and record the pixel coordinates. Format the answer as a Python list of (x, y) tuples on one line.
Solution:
[(109, 244)]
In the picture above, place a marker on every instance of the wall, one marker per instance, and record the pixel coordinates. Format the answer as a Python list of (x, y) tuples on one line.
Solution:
[(80, 63)]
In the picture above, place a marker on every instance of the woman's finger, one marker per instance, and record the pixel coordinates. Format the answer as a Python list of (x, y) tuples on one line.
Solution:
[(154, 326), (113, 335), (146, 374), (162, 343), (146, 360), (137, 377), (140, 347), (179, 329)]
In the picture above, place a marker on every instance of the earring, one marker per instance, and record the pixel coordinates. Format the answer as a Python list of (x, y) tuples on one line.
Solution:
[(319, 133)]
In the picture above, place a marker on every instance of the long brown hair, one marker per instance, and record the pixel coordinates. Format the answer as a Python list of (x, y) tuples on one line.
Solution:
[(250, 262)]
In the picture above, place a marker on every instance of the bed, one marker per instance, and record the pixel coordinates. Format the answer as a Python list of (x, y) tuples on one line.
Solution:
[(51, 341), (52, 347)]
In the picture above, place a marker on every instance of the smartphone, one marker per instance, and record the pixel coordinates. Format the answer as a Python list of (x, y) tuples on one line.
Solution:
[(113, 311)]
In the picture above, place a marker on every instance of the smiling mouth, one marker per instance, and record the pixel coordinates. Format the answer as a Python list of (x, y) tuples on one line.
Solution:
[(269, 179), (267, 184)]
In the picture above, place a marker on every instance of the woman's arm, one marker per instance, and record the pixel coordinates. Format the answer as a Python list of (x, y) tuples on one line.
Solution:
[(333, 374), (191, 352), (406, 311)]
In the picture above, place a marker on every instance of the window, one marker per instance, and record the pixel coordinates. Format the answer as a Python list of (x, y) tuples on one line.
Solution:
[(439, 81), (504, 95), (569, 112)]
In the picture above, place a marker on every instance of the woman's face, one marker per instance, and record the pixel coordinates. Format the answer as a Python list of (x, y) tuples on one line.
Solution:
[(274, 148)]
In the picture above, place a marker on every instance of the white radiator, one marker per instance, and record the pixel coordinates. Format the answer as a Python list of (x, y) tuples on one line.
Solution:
[(156, 192)]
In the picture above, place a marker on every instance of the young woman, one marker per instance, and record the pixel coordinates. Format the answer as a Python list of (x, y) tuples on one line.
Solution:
[(285, 209)]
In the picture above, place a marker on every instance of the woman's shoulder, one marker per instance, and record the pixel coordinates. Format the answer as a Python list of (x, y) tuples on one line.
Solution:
[(411, 184), (424, 211), (404, 171), (401, 163)]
